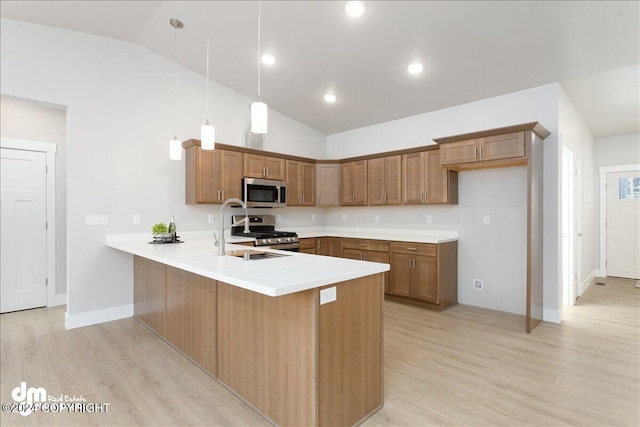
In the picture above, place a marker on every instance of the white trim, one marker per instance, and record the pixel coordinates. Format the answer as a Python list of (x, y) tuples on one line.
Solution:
[(61, 299), (51, 228), (25, 144), (553, 316), (98, 316), (604, 170), (587, 282)]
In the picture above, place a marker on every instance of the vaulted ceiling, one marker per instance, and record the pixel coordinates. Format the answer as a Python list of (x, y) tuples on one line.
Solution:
[(470, 51)]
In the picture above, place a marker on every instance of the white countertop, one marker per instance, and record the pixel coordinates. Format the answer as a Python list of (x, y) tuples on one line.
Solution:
[(272, 276), (394, 235)]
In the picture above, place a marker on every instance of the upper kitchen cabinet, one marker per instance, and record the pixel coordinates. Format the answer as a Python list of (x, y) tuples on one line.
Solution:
[(301, 183), (485, 149), (385, 180), (353, 183), (327, 184), (259, 166), (424, 181), (211, 176)]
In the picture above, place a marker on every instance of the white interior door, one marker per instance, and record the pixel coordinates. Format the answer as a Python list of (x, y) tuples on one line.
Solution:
[(23, 254), (568, 259), (623, 224)]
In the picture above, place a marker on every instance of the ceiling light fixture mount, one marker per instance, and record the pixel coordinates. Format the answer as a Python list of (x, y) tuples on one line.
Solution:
[(354, 8), (268, 59), (259, 108), (175, 146), (207, 131)]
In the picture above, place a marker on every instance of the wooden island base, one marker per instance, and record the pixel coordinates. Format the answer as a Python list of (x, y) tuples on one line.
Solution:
[(295, 361)]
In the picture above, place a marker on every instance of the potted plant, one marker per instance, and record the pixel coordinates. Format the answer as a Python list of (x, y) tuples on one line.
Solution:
[(160, 232)]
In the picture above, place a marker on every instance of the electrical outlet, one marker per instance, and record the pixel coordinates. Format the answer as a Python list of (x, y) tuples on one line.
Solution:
[(478, 284), (327, 295), (429, 219), (377, 218), (487, 219), (278, 218), (344, 217), (210, 218), (136, 219), (313, 217), (97, 220)]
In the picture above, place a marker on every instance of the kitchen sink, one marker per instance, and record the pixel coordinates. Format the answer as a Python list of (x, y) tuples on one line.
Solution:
[(251, 254)]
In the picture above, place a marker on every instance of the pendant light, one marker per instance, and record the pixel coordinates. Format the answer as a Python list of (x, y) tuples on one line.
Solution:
[(207, 131), (259, 108), (175, 146)]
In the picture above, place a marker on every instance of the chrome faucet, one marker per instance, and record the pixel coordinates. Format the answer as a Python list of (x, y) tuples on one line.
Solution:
[(220, 243)]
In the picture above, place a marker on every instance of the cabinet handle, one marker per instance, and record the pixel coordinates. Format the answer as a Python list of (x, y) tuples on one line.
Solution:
[(218, 195), (414, 263), (409, 263), (222, 193), (421, 197), (303, 198), (481, 151), (475, 153), (364, 256), (412, 249), (362, 244), (267, 172)]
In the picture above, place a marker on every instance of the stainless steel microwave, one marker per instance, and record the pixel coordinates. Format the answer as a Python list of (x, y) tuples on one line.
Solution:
[(264, 193)]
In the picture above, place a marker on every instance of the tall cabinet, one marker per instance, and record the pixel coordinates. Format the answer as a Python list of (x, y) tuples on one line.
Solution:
[(353, 183), (519, 145)]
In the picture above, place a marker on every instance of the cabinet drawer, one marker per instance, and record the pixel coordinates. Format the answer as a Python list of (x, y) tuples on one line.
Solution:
[(372, 256), (308, 243), (426, 249), (366, 245)]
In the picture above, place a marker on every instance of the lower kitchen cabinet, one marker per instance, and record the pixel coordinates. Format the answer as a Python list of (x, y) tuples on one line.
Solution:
[(368, 250), (329, 246), (425, 273), (308, 245)]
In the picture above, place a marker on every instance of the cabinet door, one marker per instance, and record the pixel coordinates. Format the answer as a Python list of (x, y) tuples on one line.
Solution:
[(505, 146), (329, 246), (393, 180), (207, 165), (413, 178), (346, 186), (254, 166), (149, 293), (437, 183), (328, 184), (400, 274), (230, 174), (308, 245), (458, 152), (376, 181), (274, 168), (308, 183), (360, 183), (425, 279), (294, 195)]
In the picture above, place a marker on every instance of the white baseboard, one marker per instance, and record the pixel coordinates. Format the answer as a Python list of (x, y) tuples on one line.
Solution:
[(98, 316), (553, 316), (61, 299), (585, 284), (600, 273)]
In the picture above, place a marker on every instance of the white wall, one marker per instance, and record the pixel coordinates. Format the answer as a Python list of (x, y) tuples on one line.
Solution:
[(120, 117), (495, 253), (573, 133), (612, 151), (22, 119)]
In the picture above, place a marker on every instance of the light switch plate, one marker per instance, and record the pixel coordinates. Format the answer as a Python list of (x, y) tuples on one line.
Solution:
[(344, 217), (327, 295), (210, 218), (313, 217), (136, 219), (487, 219), (429, 219), (278, 218), (377, 218), (97, 220)]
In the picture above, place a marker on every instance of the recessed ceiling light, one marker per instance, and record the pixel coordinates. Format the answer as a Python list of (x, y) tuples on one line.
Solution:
[(268, 59), (330, 98), (415, 68), (354, 8)]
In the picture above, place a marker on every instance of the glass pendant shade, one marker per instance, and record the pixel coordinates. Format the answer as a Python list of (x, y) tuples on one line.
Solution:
[(207, 136), (258, 117), (175, 149)]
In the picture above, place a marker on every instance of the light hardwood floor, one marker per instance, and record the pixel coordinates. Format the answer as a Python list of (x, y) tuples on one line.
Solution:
[(464, 366)]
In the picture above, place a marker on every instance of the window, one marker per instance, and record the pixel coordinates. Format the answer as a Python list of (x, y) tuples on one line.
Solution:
[(629, 188)]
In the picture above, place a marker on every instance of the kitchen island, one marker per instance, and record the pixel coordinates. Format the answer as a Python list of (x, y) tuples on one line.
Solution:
[(269, 329)]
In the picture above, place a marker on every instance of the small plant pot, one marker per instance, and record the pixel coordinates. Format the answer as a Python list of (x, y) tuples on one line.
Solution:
[(163, 237)]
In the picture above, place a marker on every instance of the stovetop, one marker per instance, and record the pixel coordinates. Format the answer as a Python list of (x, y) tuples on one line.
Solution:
[(262, 228)]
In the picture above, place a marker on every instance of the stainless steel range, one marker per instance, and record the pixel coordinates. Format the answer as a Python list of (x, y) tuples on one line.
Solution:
[(263, 229)]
